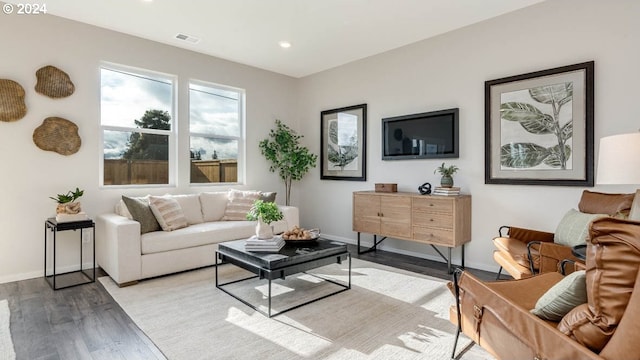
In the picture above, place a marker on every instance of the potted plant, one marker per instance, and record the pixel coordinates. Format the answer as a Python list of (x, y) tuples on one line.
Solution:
[(265, 213), (447, 174), (291, 160), (67, 203)]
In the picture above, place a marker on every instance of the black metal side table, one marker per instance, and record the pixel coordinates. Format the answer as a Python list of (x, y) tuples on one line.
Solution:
[(75, 277)]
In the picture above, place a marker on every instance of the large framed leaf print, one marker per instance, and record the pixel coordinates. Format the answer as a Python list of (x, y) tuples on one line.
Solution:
[(343, 143), (539, 127)]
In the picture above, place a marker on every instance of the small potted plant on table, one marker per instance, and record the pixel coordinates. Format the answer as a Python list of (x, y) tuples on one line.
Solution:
[(67, 203), (265, 213)]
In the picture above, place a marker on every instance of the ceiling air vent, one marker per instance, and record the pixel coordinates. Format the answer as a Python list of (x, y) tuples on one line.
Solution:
[(187, 38)]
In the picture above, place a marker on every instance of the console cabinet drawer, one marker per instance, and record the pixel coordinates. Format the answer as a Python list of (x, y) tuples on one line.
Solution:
[(433, 205), (433, 236), (432, 220)]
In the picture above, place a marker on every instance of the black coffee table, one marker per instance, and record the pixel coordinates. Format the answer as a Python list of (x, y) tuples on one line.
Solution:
[(293, 258)]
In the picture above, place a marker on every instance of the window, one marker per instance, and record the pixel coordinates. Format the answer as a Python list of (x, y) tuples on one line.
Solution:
[(136, 112), (215, 127)]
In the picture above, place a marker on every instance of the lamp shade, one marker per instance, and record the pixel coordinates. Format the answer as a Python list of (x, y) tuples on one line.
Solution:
[(619, 159)]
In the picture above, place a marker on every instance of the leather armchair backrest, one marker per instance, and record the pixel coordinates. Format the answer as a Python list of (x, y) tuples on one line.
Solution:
[(613, 261), (624, 342), (617, 205)]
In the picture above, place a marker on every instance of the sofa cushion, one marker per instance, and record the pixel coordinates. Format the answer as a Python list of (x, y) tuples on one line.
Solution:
[(562, 297), (239, 204), (191, 207), (573, 229), (617, 205), (168, 212), (213, 205), (613, 259), (141, 212), (196, 235)]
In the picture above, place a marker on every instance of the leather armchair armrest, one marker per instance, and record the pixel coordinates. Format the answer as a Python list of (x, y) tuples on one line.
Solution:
[(527, 235)]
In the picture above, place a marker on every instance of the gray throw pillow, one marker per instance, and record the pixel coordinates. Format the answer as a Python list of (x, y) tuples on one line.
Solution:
[(141, 212), (268, 196), (562, 297)]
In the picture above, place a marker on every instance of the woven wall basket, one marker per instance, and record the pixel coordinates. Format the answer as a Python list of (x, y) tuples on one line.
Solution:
[(53, 82), (58, 135), (12, 106)]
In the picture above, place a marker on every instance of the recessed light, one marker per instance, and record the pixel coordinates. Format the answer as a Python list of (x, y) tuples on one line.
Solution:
[(284, 44)]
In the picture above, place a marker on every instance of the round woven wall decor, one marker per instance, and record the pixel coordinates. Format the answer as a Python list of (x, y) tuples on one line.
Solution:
[(12, 106), (58, 135), (53, 82)]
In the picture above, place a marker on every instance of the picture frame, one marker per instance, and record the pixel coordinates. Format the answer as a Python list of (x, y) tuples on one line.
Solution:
[(539, 127), (343, 143)]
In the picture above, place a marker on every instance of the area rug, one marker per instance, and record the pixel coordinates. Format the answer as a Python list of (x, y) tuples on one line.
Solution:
[(387, 314), (6, 345)]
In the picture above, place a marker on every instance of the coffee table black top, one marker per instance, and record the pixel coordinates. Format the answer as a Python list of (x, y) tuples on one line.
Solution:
[(290, 254)]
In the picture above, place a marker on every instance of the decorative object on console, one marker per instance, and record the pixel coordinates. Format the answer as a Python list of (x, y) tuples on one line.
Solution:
[(383, 187), (343, 143), (265, 213), (539, 127), (447, 174), (619, 163), (12, 106), (425, 189), (290, 159), (53, 82), (446, 191), (57, 135)]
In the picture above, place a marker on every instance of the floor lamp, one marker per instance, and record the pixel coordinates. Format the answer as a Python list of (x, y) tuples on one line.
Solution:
[(619, 163)]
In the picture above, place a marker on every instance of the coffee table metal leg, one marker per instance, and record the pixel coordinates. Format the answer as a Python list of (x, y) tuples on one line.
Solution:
[(269, 297)]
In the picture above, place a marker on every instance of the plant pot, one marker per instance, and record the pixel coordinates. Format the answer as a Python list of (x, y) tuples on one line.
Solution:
[(263, 230), (69, 208), (446, 181)]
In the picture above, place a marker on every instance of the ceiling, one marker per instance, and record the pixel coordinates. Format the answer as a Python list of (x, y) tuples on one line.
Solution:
[(323, 33)]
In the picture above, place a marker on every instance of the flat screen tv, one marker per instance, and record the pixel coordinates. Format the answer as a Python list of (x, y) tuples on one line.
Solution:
[(428, 135)]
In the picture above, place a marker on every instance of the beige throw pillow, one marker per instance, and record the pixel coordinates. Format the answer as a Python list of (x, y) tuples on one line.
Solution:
[(168, 212), (573, 229), (239, 204)]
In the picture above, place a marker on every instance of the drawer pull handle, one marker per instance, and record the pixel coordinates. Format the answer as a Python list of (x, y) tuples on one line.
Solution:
[(431, 220)]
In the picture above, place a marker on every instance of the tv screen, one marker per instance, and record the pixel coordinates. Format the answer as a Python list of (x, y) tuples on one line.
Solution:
[(427, 135)]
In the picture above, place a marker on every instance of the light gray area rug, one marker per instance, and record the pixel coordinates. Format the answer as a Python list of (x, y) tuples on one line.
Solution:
[(387, 314), (6, 345)]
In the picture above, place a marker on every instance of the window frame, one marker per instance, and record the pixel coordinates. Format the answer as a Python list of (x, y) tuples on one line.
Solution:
[(241, 138), (172, 133)]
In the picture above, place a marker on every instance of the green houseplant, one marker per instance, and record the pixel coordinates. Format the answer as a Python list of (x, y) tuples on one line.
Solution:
[(290, 159), (265, 213), (67, 202), (447, 174)]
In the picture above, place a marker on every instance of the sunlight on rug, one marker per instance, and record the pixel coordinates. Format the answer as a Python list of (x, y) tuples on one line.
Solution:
[(6, 345), (387, 314)]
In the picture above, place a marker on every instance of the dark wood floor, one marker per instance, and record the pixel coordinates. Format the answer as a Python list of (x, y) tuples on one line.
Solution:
[(84, 322)]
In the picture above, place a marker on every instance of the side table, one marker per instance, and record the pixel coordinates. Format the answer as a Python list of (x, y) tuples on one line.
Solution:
[(76, 277)]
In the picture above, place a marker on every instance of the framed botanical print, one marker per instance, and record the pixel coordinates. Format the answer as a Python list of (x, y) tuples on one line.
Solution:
[(343, 143), (539, 127)]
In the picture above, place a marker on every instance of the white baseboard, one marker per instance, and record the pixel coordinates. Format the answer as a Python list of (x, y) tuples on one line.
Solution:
[(39, 273)]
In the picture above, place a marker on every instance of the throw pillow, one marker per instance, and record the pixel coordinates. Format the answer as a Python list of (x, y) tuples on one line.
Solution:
[(562, 297), (141, 212), (168, 212), (239, 204), (573, 229), (268, 196)]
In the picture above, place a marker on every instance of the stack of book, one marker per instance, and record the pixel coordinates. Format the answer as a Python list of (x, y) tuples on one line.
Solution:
[(264, 245), (81, 216), (452, 191)]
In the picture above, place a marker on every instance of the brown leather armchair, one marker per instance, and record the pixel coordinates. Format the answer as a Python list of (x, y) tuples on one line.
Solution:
[(524, 252), (496, 315)]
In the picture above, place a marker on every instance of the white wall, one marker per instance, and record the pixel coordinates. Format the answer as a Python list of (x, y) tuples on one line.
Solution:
[(450, 71), (30, 175)]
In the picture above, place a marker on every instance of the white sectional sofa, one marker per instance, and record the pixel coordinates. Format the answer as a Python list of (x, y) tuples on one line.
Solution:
[(128, 255)]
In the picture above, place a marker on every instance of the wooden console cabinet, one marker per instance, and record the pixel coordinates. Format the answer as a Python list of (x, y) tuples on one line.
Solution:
[(434, 220)]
